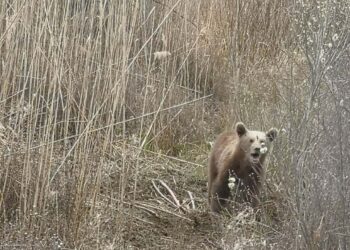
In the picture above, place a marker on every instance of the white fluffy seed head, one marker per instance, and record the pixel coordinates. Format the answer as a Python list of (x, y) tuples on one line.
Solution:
[(231, 185), (160, 55), (232, 179), (263, 150), (231, 182)]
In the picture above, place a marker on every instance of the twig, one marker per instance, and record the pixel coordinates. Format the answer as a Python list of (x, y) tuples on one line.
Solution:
[(134, 204), (171, 193), (166, 211), (161, 194), (191, 199)]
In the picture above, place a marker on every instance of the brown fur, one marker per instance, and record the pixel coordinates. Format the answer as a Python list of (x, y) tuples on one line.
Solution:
[(228, 157)]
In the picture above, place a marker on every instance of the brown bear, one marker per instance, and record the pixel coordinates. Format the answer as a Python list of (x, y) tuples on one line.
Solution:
[(239, 154)]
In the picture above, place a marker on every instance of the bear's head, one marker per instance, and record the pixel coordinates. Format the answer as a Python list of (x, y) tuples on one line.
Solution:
[(255, 144)]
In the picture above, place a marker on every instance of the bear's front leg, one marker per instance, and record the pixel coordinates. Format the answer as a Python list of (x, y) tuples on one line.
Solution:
[(220, 193)]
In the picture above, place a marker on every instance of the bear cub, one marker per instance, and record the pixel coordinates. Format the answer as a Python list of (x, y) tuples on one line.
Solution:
[(239, 154)]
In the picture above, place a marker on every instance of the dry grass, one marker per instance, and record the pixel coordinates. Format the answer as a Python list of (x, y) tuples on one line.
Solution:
[(108, 109)]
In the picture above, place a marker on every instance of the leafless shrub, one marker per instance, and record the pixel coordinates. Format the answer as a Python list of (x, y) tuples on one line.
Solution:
[(316, 124)]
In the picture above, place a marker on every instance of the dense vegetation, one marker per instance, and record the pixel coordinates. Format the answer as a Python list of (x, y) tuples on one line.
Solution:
[(108, 110)]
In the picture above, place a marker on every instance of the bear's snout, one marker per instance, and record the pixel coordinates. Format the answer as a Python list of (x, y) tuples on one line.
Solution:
[(255, 155)]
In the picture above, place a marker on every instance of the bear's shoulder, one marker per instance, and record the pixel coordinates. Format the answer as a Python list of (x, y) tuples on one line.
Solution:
[(225, 147), (226, 138)]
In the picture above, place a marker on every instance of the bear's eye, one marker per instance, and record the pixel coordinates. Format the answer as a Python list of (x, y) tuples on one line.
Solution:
[(251, 140), (262, 141)]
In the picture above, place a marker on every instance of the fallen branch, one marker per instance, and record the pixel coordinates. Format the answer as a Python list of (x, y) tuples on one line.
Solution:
[(171, 193), (162, 195)]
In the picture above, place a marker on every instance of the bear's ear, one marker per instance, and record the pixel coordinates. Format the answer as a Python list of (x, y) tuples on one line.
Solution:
[(272, 134), (240, 129)]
